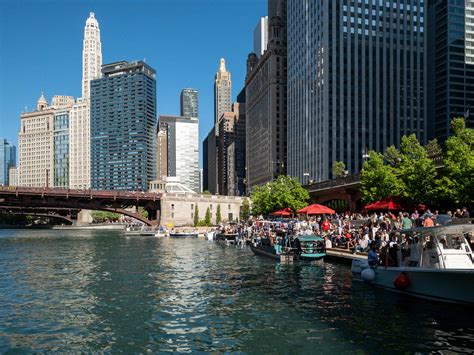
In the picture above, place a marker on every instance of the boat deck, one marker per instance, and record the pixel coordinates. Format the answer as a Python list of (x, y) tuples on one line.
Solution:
[(344, 255)]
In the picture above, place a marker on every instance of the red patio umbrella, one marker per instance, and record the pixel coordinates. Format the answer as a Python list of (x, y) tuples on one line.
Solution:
[(388, 203), (316, 209), (284, 212)]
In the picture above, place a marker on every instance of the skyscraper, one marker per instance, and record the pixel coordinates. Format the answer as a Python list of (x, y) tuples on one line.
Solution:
[(123, 130), (260, 36), (222, 93), (266, 107), (7, 160), (189, 103), (79, 128), (209, 161), (356, 80), (61, 148), (183, 149), (451, 64), (35, 146), (91, 54), (162, 151)]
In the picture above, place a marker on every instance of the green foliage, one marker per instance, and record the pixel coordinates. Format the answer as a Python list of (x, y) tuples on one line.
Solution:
[(417, 171), (218, 215), (104, 216), (202, 223), (280, 193), (392, 156), (207, 192), (411, 173), (458, 181), (196, 216), (338, 169), (245, 210), (433, 148), (207, 218), (379, 180)]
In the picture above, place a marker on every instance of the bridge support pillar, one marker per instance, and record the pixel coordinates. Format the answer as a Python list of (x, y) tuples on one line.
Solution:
[(84, 217)]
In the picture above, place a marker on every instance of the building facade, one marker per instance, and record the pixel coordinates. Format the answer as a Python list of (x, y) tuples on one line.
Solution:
[(260, 36), (356, 81), (13, 176), (123, 127), (177, 209), (209, 161), (266, 108), (189, 103), (183, 149), (222, 93), (162, 151), (7, 161), (61, 148), (451, 64), (80, 121), (35, 146)]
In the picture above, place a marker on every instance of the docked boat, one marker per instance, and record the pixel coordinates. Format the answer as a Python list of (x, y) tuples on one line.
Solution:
[(438, 265), (210, 235), (184, 234), (227, 238), (303, 247)]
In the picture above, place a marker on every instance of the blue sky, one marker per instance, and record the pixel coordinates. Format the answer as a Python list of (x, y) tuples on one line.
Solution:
[(41, 48)]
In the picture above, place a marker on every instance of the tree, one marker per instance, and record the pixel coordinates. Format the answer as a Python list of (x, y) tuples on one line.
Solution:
[(207, 218), (196, 216), (104, 216), (206, 192), (433, 148), (417, 171), (338, 169), (458, 181), (218, 215), (245, 210), (378, 180), (280, 193), (392, 156)]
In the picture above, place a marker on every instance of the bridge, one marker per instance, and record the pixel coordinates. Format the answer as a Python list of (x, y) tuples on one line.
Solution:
[(341, 193), (59, 198)]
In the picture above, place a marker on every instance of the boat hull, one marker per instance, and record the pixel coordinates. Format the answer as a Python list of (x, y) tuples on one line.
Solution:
[(262, 252), (183, 235), (454, 285), (226, 238)]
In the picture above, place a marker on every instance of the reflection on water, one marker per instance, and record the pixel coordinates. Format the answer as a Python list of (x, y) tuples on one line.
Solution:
[(90, 291)]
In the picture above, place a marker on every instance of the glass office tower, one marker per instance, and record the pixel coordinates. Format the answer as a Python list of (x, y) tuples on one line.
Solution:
[(123, 125), (356, 81), (61, 149), (451, 63)]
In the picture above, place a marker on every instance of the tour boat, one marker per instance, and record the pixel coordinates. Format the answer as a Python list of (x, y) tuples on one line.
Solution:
[(303, 247), (440, 266)]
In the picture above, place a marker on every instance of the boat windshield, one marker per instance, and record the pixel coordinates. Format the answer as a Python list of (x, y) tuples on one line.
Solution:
[(438, 248)]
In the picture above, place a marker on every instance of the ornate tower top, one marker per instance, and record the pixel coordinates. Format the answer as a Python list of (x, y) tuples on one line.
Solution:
[(222, 65), (42, 103)]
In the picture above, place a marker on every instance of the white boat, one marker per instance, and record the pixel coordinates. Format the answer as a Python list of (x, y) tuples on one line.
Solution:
[(210, 235), (162, 234), (184, 234), (440, 266)]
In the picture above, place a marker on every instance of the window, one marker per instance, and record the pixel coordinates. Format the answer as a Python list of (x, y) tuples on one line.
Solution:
[(192, 206), (172, 206)]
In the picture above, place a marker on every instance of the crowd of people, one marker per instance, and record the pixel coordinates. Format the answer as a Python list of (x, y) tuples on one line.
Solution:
[(380, 232)]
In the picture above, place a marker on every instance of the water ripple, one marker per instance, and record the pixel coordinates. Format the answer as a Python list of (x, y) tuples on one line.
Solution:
[(91, 292)]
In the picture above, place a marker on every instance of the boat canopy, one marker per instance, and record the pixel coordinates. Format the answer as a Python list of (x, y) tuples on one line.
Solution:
[(310, 238)]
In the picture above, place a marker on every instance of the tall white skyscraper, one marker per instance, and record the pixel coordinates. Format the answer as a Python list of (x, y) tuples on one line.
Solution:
[(260, 36), (91, 55), (79, 147), (222, 93)]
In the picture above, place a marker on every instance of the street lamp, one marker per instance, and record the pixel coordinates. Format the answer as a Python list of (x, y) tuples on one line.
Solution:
[(365, 154), (305, 175)]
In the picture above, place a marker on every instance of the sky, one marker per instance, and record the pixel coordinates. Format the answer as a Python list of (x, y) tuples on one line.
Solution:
[(183, 40)]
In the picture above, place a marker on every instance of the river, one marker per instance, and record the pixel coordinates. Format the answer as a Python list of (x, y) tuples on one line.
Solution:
[(96, 291)]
